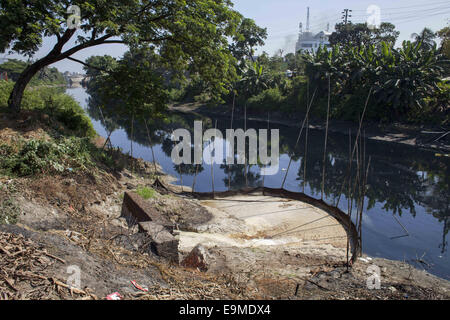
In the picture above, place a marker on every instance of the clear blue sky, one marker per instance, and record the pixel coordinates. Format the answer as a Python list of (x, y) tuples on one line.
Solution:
[(282, 17)]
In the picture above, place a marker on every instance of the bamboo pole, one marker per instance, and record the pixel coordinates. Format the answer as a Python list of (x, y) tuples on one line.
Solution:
[(212, 164), (106, 141), (306, 153), (195, 178), (268, 128), (326, 138), (151, 146), (357, 186), (181, 178), (245, 144), (349, 201), (231, 127), (107, 131), (131, 141), (357, 137), (363, 200), (298, 138)]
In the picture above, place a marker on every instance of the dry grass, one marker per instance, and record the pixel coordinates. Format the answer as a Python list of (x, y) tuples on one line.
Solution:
[(22, 272)]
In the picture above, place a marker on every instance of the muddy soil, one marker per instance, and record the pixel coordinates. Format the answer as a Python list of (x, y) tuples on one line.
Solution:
[(75, 220)]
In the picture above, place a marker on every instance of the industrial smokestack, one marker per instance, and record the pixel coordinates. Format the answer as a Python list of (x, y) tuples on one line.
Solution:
[(307, 21)]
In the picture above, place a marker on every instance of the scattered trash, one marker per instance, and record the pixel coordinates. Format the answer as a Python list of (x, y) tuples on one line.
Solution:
[(139, 287), (114, 296)]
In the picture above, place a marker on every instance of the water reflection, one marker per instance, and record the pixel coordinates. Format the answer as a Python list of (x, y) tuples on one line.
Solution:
[(407, 182)]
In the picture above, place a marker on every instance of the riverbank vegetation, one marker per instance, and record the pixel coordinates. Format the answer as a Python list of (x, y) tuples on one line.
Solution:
[(180, 53), (47, 76), (53, 103), (407, 83)]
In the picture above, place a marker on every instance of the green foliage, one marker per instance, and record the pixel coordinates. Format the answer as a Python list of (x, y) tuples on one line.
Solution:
[(9, 211), (62, 155), (255, 79), (269, 99), (402, 79), (46, 76), (444, 35), (359, 35), (247, 37), (54, 102), (139, 82), (5, 90), (146, 192), (190, 36), (426, 38), (191, 90)]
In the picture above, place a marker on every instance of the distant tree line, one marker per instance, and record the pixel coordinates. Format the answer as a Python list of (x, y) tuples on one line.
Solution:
[(47, 75), (408, 83)]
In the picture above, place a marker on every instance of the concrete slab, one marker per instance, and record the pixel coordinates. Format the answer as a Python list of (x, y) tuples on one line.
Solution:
[(256, 220)]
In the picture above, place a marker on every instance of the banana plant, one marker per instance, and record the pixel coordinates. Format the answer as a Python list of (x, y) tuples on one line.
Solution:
[(254, 79)]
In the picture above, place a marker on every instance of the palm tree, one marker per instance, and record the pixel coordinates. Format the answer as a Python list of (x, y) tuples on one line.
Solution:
[(426, 37)]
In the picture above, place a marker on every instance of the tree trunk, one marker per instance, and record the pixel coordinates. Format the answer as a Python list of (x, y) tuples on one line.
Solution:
[(15, 98)]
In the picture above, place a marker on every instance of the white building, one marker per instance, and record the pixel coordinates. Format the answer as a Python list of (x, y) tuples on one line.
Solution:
[(309, 41)]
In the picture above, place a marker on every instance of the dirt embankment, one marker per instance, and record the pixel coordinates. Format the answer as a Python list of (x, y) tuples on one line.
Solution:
[(430, 137), (70, 224)]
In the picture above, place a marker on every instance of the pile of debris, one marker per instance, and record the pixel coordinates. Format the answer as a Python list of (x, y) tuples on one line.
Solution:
[(23, 267)]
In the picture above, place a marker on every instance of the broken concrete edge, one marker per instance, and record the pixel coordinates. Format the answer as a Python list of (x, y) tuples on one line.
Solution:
[(159, 230), (135, 209), (162, 242)]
